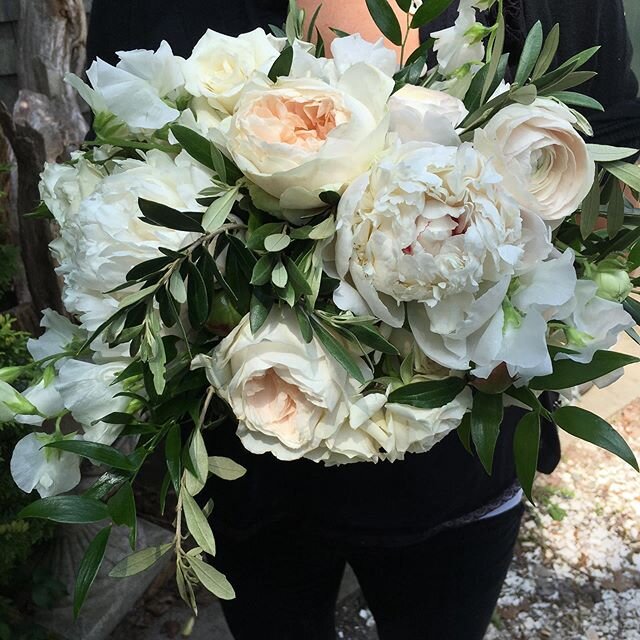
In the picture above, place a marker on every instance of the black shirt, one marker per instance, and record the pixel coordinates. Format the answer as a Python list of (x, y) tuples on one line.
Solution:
[(385, 502)]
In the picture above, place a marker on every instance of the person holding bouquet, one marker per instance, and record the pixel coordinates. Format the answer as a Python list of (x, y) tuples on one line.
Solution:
[(430, 537)]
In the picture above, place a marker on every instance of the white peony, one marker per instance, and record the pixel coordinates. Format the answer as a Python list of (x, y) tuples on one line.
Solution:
[(459, 45), (288, 396), (48, 471), (88, 391), (544, 160), (426, 223), (303, 135), (137, 89), (220, 66), (105, 238)]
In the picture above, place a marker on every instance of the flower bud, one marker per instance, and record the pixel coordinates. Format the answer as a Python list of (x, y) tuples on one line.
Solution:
[(613, 281), (11, 374), (13, 403), (223, 317)]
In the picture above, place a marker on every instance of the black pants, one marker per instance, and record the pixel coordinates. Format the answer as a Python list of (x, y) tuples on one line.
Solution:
[(445, 588)]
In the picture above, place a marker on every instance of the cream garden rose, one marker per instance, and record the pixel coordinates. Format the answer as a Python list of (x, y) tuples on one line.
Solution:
[(288, 396), (426, 223), (301, 136), (220, 66), (543, 159)]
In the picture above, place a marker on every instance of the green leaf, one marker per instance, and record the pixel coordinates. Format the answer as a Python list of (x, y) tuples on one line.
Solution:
[(105, 484), (66, 509), (428, 12), (135, 297), (198, 525), (257, 237), (277, 242), (530, 53), (573, 79), (421, 52), (198, 301), (172, 451), (486, 418), (372, 338), (306, 330), (326, 229), (590, 210), (567, 373), (216, 214), (163, 216), (262, 271), (225, 468), (147, 268), (430, 394), (261, 305), (177, 288), (625, 171), (96, 452), (579, 100), (282, 64), (139, 561), (218, 161), (464, 433), (607, 153), (296, 277), (386, 20), (122, 507), (526, 447), (197, 146), (337, 351), (548, 52), (615, 211), (405, 5), (279, 275), (332, 198), (89, 567), (198, 456), (587, 426), (496, 54), (212, 579)]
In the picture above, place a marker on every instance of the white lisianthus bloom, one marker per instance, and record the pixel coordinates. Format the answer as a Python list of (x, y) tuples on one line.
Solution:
[(89, 393), (354, 49), (426, 223), (303, 135), (59, 334), (220, 66), (105, 238), (45, 398), (64, 186), (459, 45), (48, 471), (544, 160), (593, 324), (288, 396), (136, 90)]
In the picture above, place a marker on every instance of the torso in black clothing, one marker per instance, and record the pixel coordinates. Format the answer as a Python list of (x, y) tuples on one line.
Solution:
[(383, 502)]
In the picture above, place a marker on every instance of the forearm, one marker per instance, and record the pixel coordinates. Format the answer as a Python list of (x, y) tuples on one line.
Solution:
[(353, 16)]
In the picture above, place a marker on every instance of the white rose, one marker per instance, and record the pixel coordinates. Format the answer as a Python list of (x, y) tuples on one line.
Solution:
[(48, 471), (544, 161), (426, 115), (302, 136), (64, 186), (458, 45), (136, 90), (593, 323), (288, 396), (105, 238), (220, 66), (89, 393), (426, 223)]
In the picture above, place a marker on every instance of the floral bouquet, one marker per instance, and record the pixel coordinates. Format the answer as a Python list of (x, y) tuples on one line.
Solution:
[(351, 256)]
